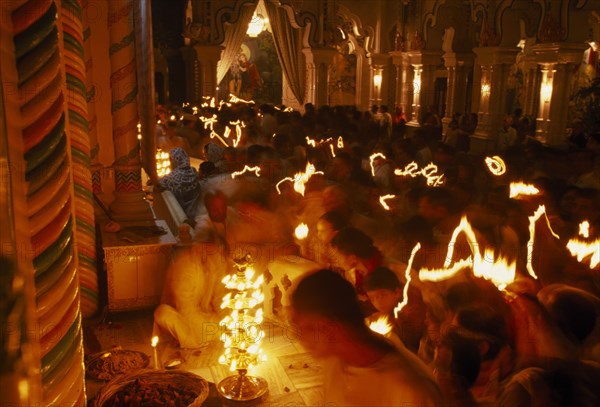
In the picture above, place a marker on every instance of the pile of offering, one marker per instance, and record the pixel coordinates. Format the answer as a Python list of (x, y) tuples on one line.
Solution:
[(107, 365), (154, 388)]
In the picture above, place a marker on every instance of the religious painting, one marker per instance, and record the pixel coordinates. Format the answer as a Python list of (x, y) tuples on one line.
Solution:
[(342, 78), (255, 73)]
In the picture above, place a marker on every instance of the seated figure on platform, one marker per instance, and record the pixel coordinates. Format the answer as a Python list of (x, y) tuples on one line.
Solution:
[(190, 311), (183, 181)]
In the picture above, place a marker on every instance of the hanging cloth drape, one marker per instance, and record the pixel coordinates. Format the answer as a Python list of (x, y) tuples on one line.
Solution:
[(288, 43), (235, 34)]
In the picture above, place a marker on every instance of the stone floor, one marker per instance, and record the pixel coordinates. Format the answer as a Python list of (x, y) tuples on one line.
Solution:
[(292, 374)]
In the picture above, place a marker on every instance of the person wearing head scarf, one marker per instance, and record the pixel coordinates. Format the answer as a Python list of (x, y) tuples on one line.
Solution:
[(183, 181)]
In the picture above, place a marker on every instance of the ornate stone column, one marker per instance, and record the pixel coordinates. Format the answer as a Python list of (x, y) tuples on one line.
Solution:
[(318, 61), (377, 77), (424, 64), (129, 202), (207, 57), (192, 79), (495, 64), (407, 92), (556, 61), (531, 86), (397, 61), (458, 66)]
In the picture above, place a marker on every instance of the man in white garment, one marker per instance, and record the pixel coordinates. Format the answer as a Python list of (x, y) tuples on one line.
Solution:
[(361, 368)]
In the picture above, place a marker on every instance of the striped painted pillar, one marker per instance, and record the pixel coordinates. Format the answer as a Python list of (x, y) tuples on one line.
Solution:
[(75, 75), (129, 203), (38, 140), (96, 166)]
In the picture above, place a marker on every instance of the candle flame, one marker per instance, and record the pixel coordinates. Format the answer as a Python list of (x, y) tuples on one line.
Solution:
[(300, 179), (584, 229), (372, 159), (518, 189), (381, 325), (383, 199), (582, 249), (154, 341), (496, 165), (235, 99), (255, 169), (301, 231)]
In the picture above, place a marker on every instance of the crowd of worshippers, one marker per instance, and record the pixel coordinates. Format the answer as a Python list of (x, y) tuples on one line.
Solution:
[(460, 341)]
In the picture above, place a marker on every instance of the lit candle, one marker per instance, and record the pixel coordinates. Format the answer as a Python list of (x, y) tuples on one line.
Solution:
[(301, 231), (154, 343)]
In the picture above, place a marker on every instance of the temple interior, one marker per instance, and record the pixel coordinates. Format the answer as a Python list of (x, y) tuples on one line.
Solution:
[(300, 202)]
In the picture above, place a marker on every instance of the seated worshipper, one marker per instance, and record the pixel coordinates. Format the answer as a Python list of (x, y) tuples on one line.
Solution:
[(248, 222), (214, 153), (190, 308), (183, 181), (360, 367), (457, 363), (357, 255), (318, 248), (384, 290), (168, 139)]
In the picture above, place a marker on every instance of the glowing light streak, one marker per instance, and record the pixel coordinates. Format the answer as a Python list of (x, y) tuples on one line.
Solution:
[(582, 249), (496, 165), (235, 99), (520, 189), (340, 142), (429, 172), (541, 210), (310, 142), (383, 199), (300, 179), (247, 168), (404, 301), (332, 150), (372, 159)]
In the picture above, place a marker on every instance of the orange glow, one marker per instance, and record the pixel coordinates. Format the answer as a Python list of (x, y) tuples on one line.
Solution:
[(154, 341), (163, 163), (372, 158), (300, 179), (381, 325), (310, 142), (247, 168), (404, 301), (383, 199), (332, 150), (301, 231), (520, 189), (496, 165), (340, 142)]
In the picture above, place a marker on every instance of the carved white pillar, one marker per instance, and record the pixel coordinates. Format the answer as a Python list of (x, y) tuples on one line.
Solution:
[(531, 85), (556, 61), (397, 61), (318, 61), (378, 78), (208, 57), (456, 95), (495, 65), (407, 92), (424, 64)]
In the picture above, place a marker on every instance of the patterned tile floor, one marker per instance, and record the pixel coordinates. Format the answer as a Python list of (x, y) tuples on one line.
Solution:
[(292, 374)]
